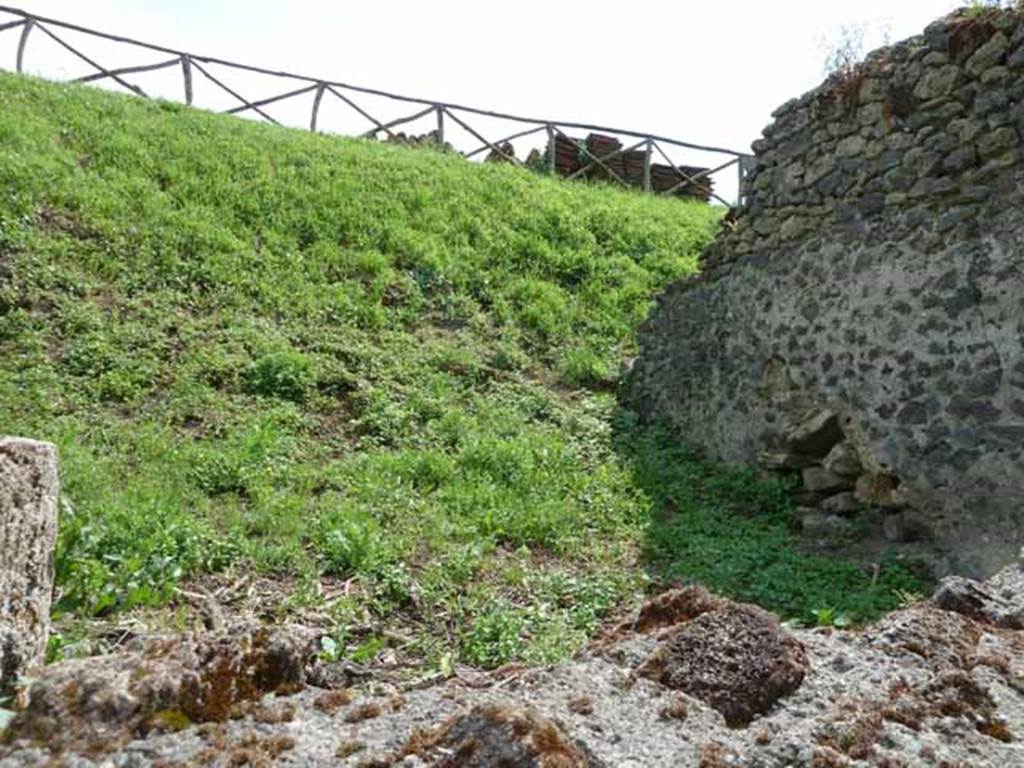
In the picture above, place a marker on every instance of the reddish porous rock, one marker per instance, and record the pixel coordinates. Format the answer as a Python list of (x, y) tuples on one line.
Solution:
[(662, 612), (169, 682), (488, 736), (737, 659), (676, 606)]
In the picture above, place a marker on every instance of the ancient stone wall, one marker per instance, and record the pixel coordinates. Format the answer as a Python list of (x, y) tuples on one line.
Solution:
[(862, 318)]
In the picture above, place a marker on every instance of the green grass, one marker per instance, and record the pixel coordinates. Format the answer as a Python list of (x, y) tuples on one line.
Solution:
[(263, 350)]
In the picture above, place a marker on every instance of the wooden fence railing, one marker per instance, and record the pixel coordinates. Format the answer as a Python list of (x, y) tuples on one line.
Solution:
[(564, 155)]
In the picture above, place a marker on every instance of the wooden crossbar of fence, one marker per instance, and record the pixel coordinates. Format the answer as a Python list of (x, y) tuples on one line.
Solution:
[(599, 155)]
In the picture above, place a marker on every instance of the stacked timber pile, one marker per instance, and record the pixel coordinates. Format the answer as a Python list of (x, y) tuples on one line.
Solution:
[(503, 154), (572, 155), (421, 141)]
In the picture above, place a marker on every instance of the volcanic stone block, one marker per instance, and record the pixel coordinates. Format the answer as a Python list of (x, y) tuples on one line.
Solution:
[(28, 535), (816, 435), (819, 479), (843, 460), (841, 504), (879, 489), (783, 460), (194, 677)]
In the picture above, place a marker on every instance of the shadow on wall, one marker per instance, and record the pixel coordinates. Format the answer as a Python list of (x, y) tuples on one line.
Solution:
[(734, 530)]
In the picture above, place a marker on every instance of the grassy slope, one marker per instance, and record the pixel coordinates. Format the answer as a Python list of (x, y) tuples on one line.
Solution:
[(261, 349)]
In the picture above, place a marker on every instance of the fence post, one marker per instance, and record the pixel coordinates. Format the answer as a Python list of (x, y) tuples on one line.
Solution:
[(647, 165), (739, 183), (29, 23), (186, 73), (552, 151), (744, 167), (440, 126), (316, 106)]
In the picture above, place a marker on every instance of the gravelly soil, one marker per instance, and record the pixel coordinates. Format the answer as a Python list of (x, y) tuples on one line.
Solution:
[(923, 687)]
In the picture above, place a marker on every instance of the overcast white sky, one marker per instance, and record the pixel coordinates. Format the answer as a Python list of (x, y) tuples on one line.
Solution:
[(706, 72)]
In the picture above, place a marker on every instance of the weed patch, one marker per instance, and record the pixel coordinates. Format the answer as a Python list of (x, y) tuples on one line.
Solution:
[(263, 350)]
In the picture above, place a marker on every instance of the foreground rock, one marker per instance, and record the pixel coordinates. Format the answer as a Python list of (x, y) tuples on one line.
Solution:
[(28, 534), (993, 604), (99, 703), (491, 736), (736, 659), (923, 687)]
